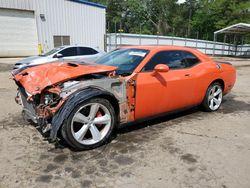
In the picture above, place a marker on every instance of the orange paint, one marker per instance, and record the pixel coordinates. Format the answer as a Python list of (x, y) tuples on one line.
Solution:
[(148, 93), (164, 91), (36, 79)]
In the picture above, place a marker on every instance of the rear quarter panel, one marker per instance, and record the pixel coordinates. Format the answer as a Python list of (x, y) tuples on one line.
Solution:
[(228, 75), (203, 74), (208, 72)]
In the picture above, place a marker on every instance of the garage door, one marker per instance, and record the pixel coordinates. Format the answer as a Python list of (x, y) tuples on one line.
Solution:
[(18, 34)]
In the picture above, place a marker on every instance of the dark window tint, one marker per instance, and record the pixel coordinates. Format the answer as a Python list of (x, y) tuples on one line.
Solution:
[(69, 52), (171, 58), (190, 59), (86, 51), (174, 59)]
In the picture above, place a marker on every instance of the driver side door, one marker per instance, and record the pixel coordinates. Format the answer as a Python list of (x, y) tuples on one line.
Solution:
[(159, 92)]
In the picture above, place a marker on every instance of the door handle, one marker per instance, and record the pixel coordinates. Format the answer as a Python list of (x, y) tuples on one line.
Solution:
[(187, 74)]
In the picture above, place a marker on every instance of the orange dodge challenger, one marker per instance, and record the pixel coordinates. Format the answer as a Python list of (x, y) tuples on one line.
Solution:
[(84, 102)]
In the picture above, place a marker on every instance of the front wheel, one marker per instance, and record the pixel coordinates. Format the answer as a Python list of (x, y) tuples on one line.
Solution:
[(213, 98), (90, 124)]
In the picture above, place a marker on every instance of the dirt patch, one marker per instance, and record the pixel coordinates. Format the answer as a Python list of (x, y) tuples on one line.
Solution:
[(189, 158), (5, 67), (186, 149), (124, 160), (44, 178)]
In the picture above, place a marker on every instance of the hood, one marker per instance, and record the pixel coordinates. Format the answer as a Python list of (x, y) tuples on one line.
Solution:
[(28, 59), (36, 79)]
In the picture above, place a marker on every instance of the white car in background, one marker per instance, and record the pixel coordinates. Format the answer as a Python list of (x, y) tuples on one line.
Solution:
[(84, 53)]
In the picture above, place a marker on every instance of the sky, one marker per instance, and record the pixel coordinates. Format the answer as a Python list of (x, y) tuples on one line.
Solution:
[(181, 1)]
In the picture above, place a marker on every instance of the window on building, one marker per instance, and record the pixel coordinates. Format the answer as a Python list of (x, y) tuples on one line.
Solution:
[(61, 40), (86, 51)]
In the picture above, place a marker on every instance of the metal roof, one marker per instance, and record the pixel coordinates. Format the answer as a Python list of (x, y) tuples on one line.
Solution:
[(240, 28), (86, 2)]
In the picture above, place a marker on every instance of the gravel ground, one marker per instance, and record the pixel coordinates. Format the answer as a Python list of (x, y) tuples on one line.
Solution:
[(188, 149)]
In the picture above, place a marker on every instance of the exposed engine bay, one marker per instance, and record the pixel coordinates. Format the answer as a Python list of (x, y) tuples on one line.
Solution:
[(44, 107)]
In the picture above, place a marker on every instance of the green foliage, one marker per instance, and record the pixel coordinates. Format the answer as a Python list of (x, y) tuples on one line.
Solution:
[(217, 14), (193, 18)]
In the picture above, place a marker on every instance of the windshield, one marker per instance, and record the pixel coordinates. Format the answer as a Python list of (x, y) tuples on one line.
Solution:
[(52, 51), (126, 60)]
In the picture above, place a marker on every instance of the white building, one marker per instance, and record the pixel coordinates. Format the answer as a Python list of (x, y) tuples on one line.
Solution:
[(28, 25)]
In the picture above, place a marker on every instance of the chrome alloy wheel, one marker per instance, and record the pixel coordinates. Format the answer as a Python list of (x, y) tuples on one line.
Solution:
[(215, 97), (91, 123)]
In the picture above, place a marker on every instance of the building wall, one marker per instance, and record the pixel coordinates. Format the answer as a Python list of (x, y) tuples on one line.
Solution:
[(17, 4), (84, 24)]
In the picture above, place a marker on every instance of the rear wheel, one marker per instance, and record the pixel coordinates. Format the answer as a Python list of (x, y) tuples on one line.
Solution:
[(213, 98), (90, 124)]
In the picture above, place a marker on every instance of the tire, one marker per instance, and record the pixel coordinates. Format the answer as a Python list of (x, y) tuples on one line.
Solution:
[(90, 124), (213, 97)]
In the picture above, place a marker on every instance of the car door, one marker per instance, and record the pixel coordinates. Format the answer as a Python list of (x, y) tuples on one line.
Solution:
[(87, 53), (158, 92), (69, 53)]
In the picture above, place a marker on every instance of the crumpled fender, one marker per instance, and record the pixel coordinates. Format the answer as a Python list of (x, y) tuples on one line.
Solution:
[(69, 105)]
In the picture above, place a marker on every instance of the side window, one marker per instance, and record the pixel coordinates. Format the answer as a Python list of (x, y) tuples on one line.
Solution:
[(69, 52), (190, 59), (86, 51), (171, 58)]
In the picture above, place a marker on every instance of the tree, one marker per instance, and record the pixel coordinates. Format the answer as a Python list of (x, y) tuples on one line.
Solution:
[(217, 14), (193, 18)]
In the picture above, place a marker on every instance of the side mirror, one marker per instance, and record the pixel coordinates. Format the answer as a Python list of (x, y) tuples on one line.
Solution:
[(161, 68), (58, 55)]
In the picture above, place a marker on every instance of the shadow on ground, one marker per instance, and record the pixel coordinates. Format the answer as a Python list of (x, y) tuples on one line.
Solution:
[(141, 131), (232, 105)]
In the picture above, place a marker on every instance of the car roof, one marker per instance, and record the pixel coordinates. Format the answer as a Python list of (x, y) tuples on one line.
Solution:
[(67, 46), (159, 47), (169, 47), (85, 46)]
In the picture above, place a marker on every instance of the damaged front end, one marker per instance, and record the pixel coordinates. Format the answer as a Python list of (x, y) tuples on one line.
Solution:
[(40, 108), (49, 93)]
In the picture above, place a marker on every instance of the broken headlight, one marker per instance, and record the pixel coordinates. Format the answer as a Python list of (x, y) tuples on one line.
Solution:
[(51, 99)]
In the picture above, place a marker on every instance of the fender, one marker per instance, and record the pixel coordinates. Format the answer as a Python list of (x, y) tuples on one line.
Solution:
[(69, 105)]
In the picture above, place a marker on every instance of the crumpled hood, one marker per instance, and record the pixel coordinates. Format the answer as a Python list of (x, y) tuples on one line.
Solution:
[(37, 78)]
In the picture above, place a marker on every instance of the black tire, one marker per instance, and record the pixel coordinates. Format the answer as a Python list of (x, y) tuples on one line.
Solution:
[(205, 103), (66, 127)]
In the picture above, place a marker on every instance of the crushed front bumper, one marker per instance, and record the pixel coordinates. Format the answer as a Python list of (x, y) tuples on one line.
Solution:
[(29, 112)]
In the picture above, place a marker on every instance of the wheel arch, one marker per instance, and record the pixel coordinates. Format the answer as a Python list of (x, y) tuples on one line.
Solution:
[(205, 104), (113, 101), (219, 80), (76, 98)]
